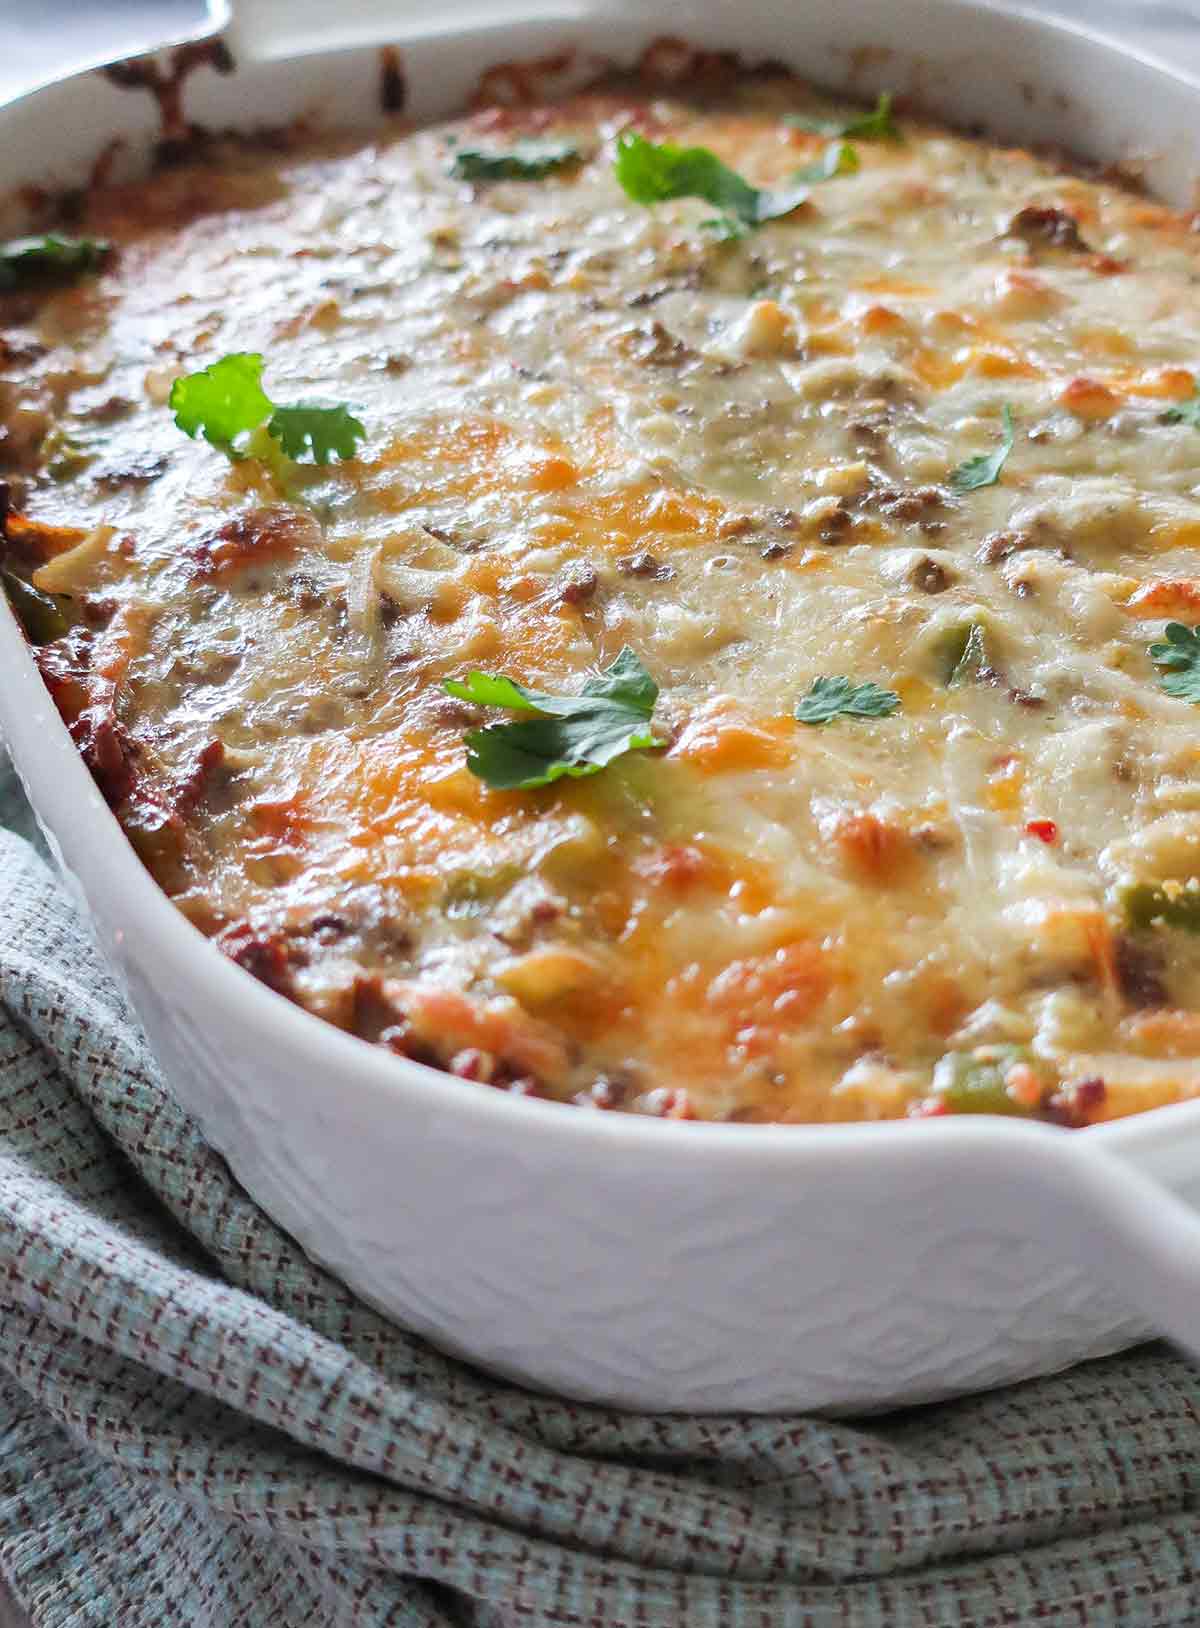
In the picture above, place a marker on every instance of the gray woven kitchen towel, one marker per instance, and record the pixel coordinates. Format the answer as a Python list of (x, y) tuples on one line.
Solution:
[(199, 1427)]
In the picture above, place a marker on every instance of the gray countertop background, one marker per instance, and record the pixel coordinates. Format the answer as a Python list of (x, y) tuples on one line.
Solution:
[(41, 38)]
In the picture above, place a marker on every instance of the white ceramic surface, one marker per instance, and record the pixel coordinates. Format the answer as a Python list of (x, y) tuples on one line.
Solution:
[(653, 1264)]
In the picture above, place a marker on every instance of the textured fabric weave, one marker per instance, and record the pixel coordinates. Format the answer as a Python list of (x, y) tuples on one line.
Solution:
[(200, 1427)]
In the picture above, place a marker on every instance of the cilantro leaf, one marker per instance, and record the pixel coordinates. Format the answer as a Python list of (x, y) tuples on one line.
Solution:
[(831, 698), (570, 735), (49, 258), (654, 172), (984, 469), (523, 161), (1186, 412), (227, 401), (1180, 656), (494, 690), (625, 683), (223, 401), (877, 125), (322, 427), (839, 158)]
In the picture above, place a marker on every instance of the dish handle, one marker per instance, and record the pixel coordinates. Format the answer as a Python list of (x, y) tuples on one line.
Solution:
[(1137, 1222)]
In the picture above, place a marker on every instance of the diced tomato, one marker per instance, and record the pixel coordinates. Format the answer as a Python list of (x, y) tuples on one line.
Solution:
[(927, 1108)]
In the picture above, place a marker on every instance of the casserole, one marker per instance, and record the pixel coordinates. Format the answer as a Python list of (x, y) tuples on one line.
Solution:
[(739, 1267)]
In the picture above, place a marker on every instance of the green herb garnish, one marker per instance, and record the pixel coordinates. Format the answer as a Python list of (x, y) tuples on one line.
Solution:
[(878, 125), (49, 258), (320, 427), (831, 698), (570, 735), (1180, 657), (223, 401), (839, 158), (1186, 412), (226, 401), (655, 172), (523, 161), (984, 469)]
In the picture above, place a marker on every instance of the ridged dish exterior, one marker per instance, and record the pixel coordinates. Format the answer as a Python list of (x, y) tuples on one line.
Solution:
[(652, 1287)]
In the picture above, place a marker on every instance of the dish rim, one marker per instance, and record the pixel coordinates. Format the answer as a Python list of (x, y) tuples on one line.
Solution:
[(172, 939)]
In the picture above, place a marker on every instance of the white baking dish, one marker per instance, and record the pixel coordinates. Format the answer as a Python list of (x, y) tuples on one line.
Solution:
[(653, 1264)]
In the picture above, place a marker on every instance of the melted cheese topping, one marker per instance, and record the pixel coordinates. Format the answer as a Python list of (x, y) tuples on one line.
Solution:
[(592, 425)]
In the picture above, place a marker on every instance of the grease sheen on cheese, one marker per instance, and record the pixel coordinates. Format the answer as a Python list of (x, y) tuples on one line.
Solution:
[(590, 425)]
